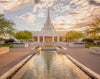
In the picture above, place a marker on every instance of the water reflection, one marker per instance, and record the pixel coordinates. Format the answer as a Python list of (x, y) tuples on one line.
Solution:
[(50, 65)]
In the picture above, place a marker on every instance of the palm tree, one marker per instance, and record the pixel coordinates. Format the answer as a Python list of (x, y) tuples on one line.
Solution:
[(94, 28)]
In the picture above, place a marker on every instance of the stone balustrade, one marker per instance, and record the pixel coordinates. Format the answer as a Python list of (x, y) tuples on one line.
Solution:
[(95, 50), (4, 50)]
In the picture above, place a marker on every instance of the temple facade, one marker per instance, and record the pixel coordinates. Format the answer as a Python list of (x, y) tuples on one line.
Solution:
[(48, 33)]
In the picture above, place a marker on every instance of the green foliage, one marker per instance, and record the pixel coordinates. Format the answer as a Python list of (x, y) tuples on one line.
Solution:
[(73, 35), (94, 29), (88, 46), (88, 40), (10, 46), (23, 35), (6, 26)]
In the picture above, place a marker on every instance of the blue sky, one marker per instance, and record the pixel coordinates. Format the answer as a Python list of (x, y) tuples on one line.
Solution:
[(65, 14)]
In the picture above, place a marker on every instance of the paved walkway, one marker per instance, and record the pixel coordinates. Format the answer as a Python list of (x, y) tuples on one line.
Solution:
[(15, 55), (10, 59), (83, 55)]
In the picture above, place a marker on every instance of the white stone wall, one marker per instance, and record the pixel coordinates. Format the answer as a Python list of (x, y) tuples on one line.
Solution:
[(4, 50), (77, 45), (34, 51), (63, 50), (20, 45), (48, 48), (95, 50)]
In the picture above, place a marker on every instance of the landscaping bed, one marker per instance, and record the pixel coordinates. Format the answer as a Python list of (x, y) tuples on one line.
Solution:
[(10, 46), (88, 46)]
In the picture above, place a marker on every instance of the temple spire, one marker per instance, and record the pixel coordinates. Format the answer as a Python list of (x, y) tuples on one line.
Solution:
[(48, 12), (48, 17)]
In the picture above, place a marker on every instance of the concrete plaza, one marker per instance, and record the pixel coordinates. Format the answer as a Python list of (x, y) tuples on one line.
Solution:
[(8, 60), (88, 59)]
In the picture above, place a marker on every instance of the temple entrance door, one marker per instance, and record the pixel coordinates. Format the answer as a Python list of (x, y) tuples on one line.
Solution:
[(48, 39)]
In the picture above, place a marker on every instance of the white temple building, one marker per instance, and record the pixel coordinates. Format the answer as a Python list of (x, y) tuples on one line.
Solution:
[(48, 33)]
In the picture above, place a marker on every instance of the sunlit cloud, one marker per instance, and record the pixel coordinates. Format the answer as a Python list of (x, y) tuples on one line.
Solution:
[(64, 24), (29, 17), (14, 4), (61, 29), (66, 14)]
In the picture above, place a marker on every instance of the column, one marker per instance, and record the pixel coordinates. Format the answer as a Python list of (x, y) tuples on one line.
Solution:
[(58, 39), (38, 39), (53, 39), (43, 39)]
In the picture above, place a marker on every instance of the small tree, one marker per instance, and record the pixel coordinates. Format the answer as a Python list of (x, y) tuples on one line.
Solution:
[(6, 26), (94, 29), (23, 35), (70, 35)]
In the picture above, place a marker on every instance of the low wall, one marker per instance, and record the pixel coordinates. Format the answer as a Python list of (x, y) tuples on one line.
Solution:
[(95, 50), (20, 45), (4, 50), (64, 50), (48, 48), (35, 51), (77, 45)]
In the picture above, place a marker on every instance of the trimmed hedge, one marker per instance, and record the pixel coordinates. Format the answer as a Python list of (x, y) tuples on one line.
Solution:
[(87, 46), (10, 46)]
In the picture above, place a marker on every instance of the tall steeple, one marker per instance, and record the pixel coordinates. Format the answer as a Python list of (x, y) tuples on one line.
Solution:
[(48, 11), (48, 26), (48, 17)]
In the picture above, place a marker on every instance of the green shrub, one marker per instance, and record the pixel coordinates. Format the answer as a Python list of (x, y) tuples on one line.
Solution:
[(88, 46), (10, 46)]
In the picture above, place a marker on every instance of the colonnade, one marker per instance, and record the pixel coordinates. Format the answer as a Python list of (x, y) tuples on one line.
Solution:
[(38, 39)]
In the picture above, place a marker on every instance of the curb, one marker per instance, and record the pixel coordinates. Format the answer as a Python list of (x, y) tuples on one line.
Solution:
[(14, 69), (87, 70)]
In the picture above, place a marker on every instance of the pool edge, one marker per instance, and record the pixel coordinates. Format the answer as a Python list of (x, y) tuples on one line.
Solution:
[(87, 70), (16, 67)]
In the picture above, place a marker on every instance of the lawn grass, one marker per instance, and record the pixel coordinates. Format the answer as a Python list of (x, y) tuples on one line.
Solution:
[(10, 46), (87, 46)]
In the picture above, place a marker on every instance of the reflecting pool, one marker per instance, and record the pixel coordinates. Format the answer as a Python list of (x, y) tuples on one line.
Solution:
[(50, 65)]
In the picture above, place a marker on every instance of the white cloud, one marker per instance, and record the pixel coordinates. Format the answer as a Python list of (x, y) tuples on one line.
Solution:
[(43, 4), (41, 15), (29, 17), (10, 4), (13, 4), (61, 7)]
